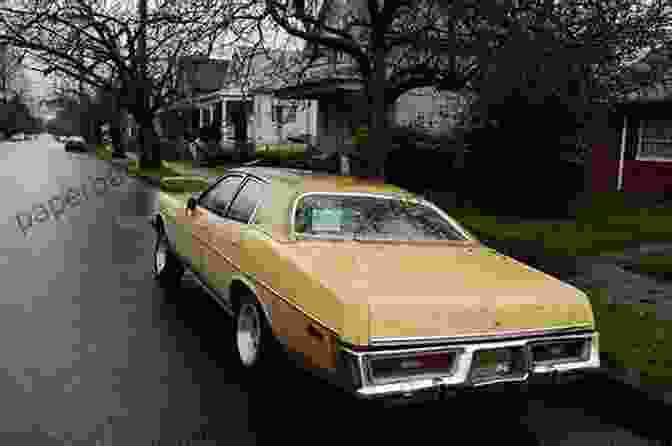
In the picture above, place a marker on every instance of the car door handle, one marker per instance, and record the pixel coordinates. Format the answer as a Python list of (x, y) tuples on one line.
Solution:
[(314, 332)]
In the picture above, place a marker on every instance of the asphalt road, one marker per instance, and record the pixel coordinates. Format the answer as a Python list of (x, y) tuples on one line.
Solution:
[(92, 352)]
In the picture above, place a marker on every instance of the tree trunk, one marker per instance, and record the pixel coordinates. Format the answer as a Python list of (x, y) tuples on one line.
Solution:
[(117, 142), (378, 141), (148, 142), (118, 149)]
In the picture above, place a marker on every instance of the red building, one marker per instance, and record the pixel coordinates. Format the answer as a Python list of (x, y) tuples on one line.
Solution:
[(636, 155)]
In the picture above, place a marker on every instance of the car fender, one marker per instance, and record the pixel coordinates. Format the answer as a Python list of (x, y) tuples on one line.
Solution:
[(240, 279)]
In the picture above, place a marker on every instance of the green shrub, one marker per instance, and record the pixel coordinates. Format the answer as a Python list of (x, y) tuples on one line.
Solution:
[(184, 184), (280, 156), (103, 152)]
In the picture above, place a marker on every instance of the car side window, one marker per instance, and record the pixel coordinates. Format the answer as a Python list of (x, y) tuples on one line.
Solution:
[(246, 200), (218, 198)]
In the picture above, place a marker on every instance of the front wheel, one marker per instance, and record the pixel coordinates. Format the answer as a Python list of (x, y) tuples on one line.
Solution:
[(167, 268)]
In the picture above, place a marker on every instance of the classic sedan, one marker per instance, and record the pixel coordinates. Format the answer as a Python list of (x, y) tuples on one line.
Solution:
[(371, 287)]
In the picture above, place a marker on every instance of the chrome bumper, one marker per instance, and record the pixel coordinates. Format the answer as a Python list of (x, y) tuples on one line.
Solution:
[(409, 389)]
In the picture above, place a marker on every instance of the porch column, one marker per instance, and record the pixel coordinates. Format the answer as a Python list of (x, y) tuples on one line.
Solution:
[(252, 122), (621, 160), (225, 122)]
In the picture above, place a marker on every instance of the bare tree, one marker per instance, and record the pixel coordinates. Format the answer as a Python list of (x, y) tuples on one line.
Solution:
[(398, 45), (11, 72), (106, 45)]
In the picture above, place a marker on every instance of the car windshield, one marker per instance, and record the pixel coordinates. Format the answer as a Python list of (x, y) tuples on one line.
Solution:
[(369, 217)]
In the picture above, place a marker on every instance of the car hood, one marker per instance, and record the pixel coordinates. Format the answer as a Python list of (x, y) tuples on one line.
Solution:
[(441, 289)]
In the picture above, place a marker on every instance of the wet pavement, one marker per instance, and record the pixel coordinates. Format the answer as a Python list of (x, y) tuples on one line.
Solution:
[(92, 352)]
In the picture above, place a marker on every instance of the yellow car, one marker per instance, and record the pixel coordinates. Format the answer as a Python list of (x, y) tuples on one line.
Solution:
[(371, 287)]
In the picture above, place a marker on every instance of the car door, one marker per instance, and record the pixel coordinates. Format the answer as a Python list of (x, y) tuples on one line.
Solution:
[(222, 259), (213, 202)]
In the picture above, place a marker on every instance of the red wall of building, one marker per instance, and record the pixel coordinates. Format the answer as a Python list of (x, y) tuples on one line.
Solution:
[(638, 176), (647, 176), (604, 168)]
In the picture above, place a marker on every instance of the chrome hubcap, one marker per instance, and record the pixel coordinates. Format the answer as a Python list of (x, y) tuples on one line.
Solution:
[(160, 257), (248, 334)]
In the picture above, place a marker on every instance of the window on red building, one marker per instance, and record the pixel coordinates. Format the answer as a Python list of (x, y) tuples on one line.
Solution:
[(655, 140)]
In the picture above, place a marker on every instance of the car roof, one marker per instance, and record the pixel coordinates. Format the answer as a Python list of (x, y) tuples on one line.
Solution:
[(288, 184), (303, 181)]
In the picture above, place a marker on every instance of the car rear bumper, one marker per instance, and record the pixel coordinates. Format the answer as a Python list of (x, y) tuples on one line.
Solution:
[(411, 390), (428, 392)]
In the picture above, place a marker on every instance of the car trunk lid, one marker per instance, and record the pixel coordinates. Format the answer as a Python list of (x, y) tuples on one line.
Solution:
[(442, 289)]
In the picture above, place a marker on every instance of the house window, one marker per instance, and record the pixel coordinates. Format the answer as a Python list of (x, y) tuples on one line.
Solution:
[(290, 113), (284, 113), (655, 140)]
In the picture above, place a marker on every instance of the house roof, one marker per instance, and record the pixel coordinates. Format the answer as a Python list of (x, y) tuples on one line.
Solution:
[(321, 80)]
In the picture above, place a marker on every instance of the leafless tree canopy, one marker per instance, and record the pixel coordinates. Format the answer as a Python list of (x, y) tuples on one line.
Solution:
[(464, 45), (450, 44), (96, 41), (11, 70)]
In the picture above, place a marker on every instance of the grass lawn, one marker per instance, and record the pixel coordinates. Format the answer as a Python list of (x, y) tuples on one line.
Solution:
[(605, 225), (156, 173), (657, 265), (183, 184), (292, 147), (279, 154), (643, 345), (173, 176), (185, 168), (631, 336)]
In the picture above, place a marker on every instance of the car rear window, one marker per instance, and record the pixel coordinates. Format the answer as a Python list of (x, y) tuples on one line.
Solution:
[(371, 217)]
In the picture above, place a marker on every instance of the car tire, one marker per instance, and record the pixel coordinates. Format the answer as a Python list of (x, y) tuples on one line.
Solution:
[(167, 268), (254, 344)]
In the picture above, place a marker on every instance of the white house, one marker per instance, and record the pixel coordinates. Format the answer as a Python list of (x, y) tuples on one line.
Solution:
[(216, 98)]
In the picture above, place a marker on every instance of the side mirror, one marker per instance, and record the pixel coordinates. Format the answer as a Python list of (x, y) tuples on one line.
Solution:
[(191, 203)]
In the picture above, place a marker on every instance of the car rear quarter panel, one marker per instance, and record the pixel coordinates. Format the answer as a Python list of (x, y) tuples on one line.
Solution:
[(304, 315)]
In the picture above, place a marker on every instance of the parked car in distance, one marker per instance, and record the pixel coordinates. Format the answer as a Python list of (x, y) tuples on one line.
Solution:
[(375, 289), (75, 143), (18, 137)]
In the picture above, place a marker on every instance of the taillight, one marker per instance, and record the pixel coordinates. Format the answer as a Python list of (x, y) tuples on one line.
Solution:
[(399, 367)]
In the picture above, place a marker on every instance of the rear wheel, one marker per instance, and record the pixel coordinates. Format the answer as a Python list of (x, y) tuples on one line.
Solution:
[(167, 268), (254, 343)]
